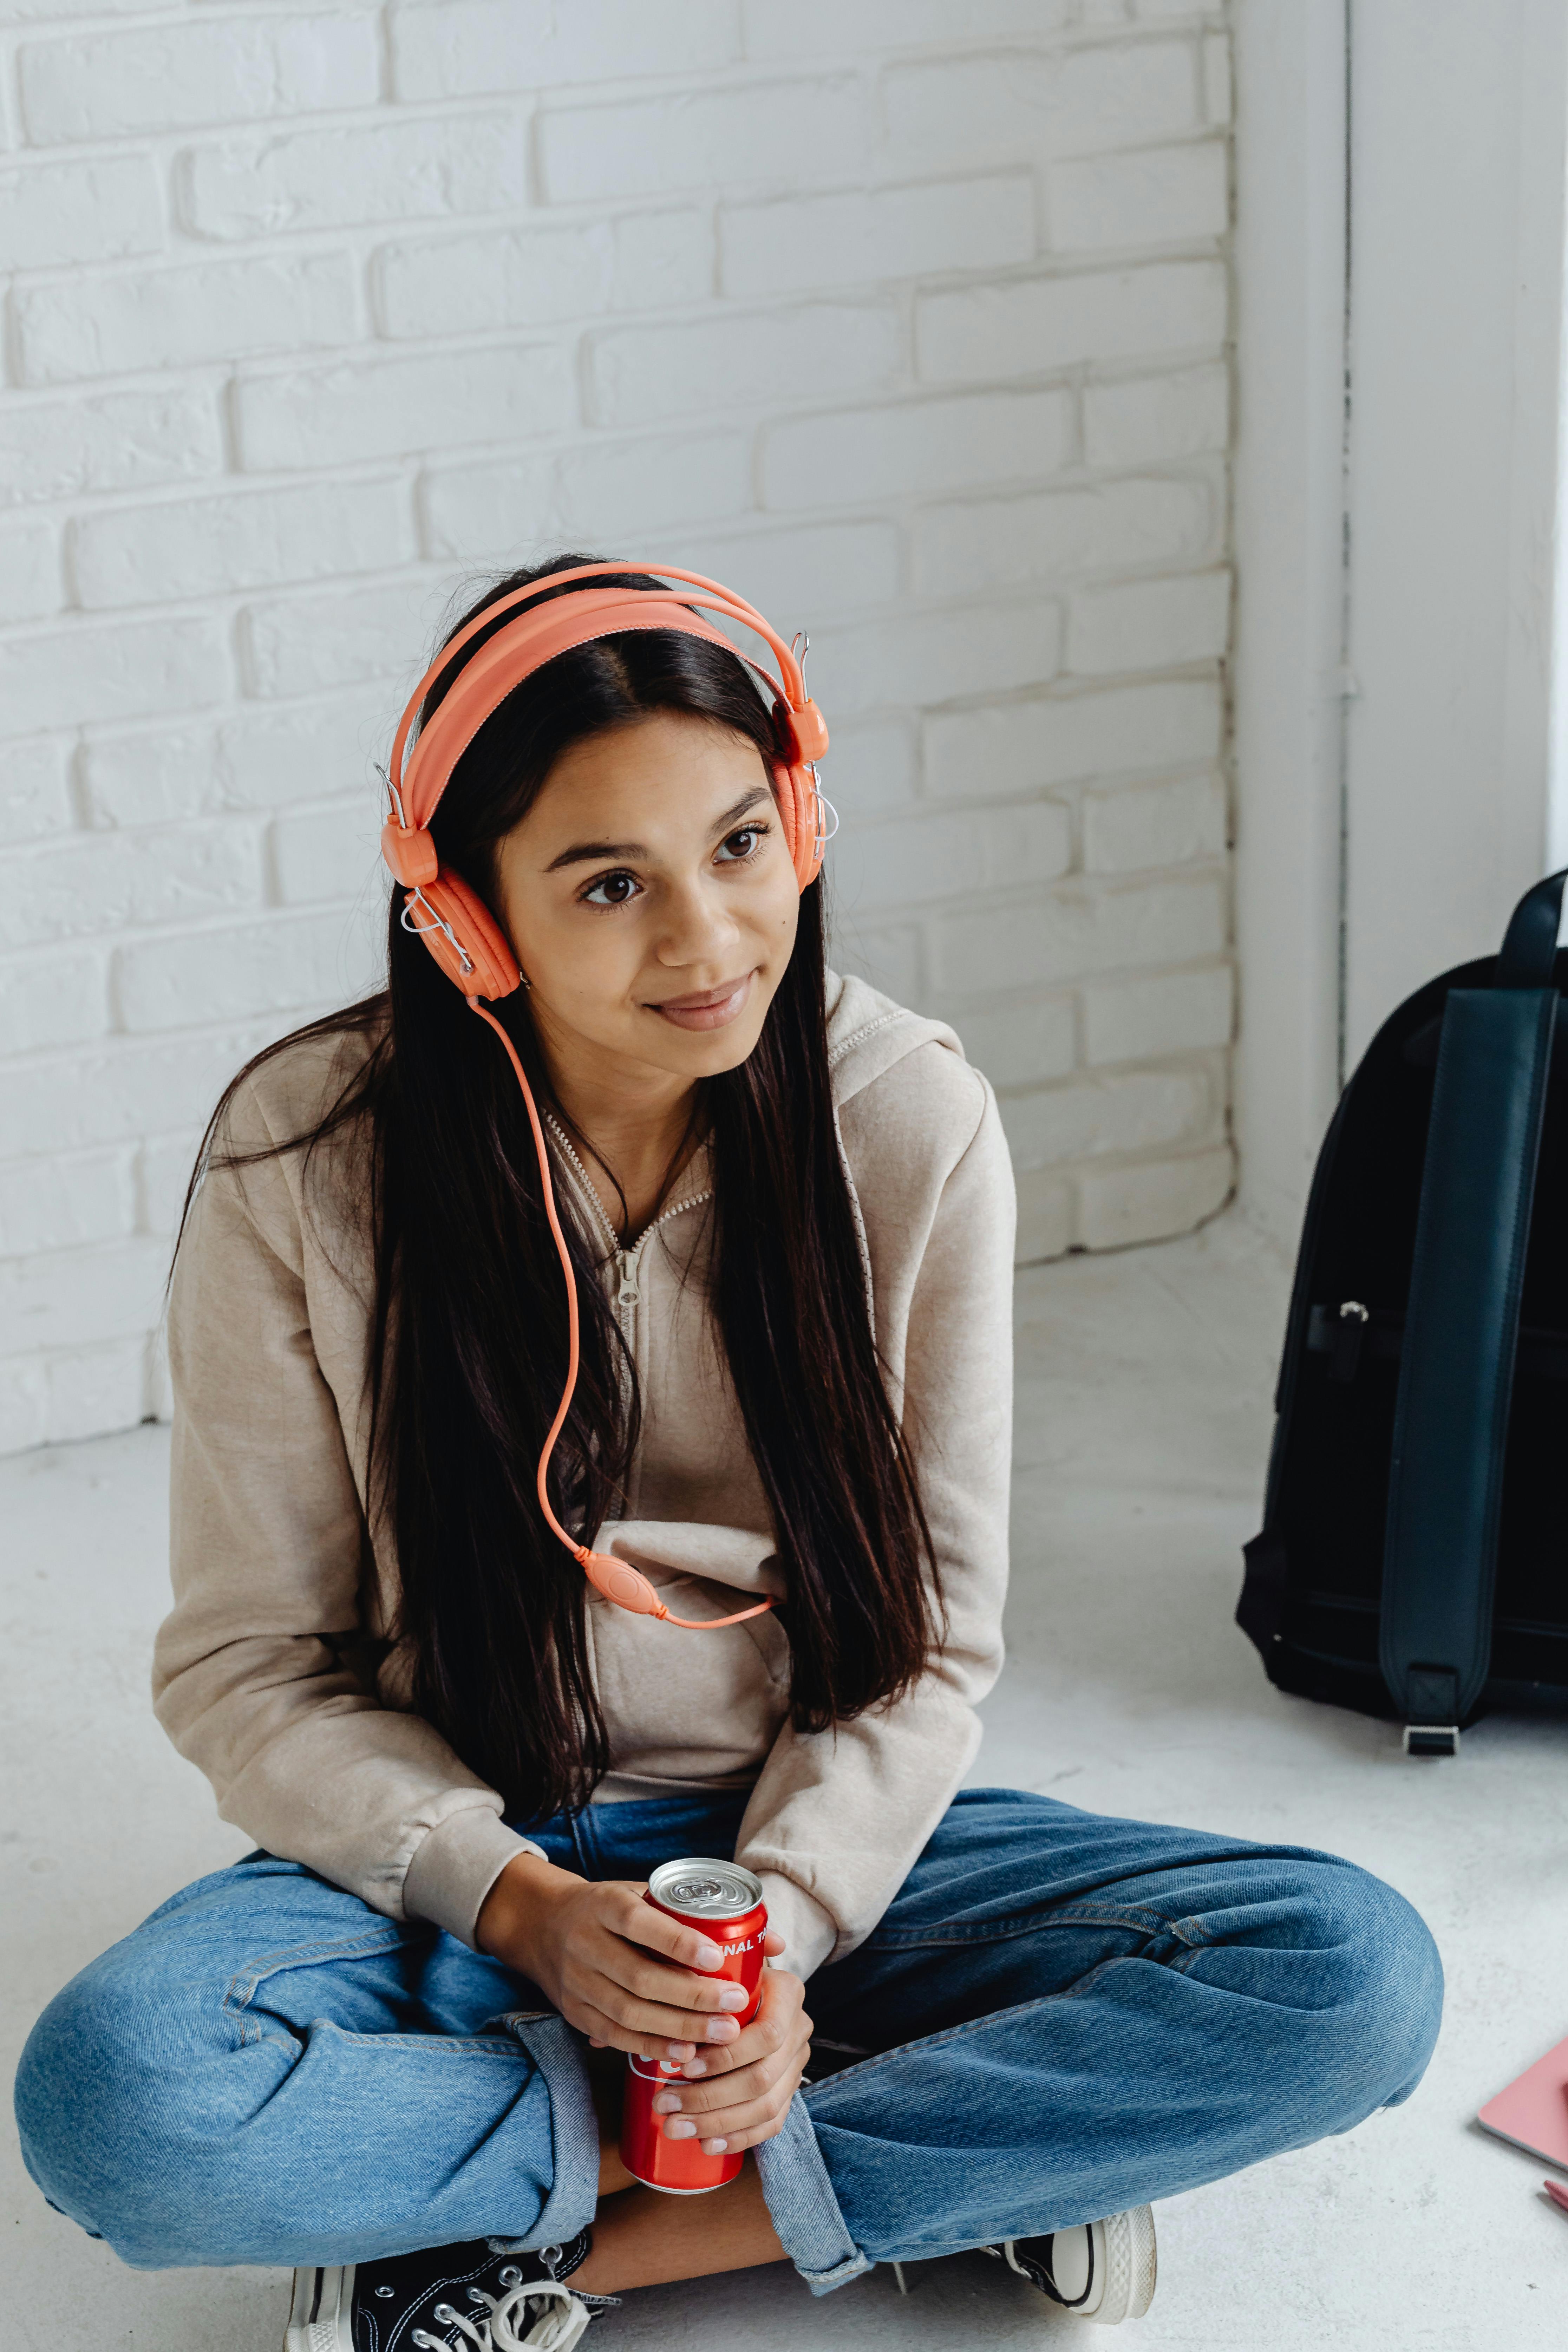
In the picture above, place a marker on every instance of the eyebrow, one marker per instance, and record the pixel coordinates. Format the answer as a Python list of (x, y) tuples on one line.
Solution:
[(588, 852)]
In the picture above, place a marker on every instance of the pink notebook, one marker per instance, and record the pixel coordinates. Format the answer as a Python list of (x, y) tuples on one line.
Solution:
[(1534, 2111)]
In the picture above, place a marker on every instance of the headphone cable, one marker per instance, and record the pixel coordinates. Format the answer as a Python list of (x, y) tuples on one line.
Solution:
[(581, 1552)]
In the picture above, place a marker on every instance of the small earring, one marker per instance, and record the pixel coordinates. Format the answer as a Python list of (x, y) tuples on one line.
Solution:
[(523, 980)]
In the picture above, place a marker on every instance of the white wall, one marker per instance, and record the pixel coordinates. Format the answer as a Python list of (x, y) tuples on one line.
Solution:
[(1459, 112), (1291, 170), (1400, 706), (906, 317)]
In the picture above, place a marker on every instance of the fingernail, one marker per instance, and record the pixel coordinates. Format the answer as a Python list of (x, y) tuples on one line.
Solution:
[(680, 2127), (693, 2067), (723, 2029), (680, 2051), (734, 1997), (666, 2104), (708, 1957), (714, 2146)]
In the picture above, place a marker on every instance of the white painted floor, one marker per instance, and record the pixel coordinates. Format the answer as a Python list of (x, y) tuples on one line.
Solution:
[(1143, 1425)]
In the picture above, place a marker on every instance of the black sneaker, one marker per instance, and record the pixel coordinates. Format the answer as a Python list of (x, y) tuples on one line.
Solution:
[(463, 2298), (1102, 2269)]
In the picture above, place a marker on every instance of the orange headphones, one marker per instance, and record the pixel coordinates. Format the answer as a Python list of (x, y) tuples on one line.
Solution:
[(462, 934)]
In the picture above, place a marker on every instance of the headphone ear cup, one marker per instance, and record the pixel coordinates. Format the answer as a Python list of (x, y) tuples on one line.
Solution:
[(465, 938), (796, 795)]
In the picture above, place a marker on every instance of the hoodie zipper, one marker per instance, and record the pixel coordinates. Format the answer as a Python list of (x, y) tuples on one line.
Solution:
[(628, 1262)]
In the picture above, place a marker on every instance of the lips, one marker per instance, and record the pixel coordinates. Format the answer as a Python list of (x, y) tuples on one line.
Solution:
[(709, 1008)]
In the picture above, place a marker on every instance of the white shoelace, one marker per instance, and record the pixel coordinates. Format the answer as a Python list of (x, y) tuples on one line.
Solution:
[(497, 2326)]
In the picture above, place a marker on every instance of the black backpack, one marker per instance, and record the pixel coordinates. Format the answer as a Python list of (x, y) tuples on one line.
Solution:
[(1414, 1556)]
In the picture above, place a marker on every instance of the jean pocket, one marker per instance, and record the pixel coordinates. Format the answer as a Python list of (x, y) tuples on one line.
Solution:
[(257, 1998)]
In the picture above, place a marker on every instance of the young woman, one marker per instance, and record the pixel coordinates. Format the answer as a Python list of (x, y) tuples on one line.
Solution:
[(785, 1203)]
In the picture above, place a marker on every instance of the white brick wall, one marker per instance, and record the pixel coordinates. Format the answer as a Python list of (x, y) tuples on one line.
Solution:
[(907, 316)]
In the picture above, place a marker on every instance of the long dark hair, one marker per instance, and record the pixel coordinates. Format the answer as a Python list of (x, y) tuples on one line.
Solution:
[(468, 1331)]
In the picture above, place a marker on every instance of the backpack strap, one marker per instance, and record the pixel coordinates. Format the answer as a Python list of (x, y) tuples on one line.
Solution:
[(1461, 1332)]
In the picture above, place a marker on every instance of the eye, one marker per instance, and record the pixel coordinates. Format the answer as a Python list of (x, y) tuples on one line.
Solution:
[(743, 843), (612, 890)]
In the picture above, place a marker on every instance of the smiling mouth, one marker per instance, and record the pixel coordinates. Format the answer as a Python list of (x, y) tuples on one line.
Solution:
[(711, 1008)]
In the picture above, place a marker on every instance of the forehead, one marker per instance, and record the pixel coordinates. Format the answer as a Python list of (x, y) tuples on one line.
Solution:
[(668, 764)]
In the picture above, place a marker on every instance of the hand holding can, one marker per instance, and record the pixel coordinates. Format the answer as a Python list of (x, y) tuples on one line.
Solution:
[(726, 1903)]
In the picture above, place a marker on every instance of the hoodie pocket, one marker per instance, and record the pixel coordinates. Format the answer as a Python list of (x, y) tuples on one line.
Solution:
[(682, 1706)]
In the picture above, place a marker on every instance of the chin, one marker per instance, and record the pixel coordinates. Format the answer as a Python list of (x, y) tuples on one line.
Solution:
[(708, 1054), (725, 1051)]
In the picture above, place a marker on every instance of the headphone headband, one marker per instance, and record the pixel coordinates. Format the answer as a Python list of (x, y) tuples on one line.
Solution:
[(552, 626)]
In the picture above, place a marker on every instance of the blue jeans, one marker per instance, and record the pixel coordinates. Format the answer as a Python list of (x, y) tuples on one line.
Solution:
[(1060, 2015)]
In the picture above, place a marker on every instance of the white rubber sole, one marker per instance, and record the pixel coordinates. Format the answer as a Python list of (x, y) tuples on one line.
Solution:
[(1126, 2261), (321, 2311), (1119, 2269)]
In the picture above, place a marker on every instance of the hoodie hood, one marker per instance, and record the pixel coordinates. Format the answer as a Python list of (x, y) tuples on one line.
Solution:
[(867, 1033)]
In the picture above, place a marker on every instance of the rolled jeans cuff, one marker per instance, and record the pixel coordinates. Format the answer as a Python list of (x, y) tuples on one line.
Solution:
[(802, 2208), (574, 2126)]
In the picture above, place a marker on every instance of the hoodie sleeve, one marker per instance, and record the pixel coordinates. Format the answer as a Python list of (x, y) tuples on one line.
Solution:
[(268, 1548), (838, 1818)]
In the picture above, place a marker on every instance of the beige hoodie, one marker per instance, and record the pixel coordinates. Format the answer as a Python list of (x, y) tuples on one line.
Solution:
[(273, 1672)]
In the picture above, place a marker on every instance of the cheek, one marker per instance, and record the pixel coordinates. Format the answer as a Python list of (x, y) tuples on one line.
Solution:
[(779, 911), (568, 960), (776, 920), (593, 964)]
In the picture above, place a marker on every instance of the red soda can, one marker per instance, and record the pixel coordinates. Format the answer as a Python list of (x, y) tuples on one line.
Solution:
[(726, 1903)]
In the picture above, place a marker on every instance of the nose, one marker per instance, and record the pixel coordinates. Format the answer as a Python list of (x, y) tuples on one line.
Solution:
[(699, 927)]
